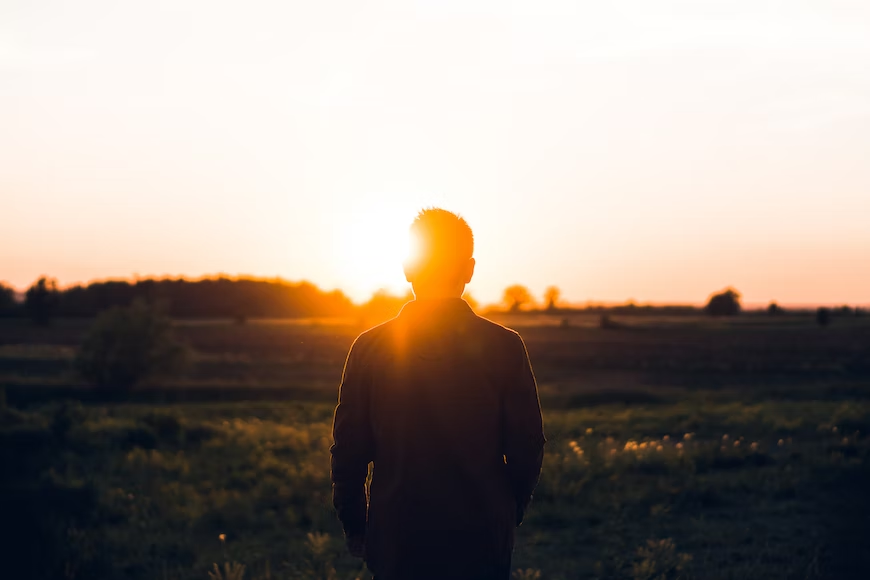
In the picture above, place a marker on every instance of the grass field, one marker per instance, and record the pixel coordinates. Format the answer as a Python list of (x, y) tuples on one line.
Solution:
[(678, 448)]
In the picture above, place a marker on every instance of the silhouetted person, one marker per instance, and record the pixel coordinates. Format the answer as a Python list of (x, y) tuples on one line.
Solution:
[(444, 404)]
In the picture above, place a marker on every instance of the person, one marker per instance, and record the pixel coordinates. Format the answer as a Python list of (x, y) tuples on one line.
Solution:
[(444, 404)]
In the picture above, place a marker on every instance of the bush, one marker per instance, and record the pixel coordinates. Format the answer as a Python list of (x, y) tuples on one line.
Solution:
[(8, 305), (41, 300), (725, 303), (823, 316), (659, 560), (127, 345)]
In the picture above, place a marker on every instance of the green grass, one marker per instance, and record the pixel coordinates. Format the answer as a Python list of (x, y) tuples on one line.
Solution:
[(145, 491), (143, 485)]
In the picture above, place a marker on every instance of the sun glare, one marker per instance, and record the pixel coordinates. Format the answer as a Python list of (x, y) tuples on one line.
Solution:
[(373, 245)]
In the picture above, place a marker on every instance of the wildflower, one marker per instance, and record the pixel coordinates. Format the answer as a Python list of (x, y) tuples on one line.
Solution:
[(754, 446), (723, 448), (834, 430), (610, 440), (845, 440), (643, 445), (613, 451), (222, 537), (725, 437), (666, 438), (679, 445), (589, 431), (688, 436), (659, 448), (780, 442), (573, 444), (737, 443)]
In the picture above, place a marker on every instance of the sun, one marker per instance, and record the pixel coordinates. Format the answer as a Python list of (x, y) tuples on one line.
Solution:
[(372, 246)]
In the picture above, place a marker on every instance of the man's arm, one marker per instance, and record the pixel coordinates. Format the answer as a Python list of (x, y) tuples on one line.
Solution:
[(352, 447), (524, 429)]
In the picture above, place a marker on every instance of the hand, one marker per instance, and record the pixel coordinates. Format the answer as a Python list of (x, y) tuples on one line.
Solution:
[(356, 544)]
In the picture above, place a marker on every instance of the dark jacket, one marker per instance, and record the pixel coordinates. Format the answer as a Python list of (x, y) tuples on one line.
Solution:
[(444, 403)]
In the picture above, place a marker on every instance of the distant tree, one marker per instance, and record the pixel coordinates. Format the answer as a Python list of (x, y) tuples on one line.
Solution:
[(725, 303), (823, 316), (858, 312), (7, 300), (41, 300), (210, 298), (775, 309), (516, 296), (129, 344), (551, 297)]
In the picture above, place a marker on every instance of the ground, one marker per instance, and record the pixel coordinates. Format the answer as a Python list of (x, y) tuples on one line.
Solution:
[(678, 448)]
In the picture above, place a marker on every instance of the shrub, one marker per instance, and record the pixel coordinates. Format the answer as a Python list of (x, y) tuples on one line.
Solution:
[(8, 305), (823, 316), (127, 345), (231, 571), (41, 300), (659, 560), (725, 303)]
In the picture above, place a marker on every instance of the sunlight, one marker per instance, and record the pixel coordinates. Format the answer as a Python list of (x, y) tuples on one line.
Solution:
[(372, 244)]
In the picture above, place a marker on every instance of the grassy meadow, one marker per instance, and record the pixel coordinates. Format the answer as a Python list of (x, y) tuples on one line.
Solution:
[(678, 448)]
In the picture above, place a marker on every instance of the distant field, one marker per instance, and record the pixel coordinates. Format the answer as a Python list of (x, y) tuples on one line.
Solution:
[(679, 448), (308, 354)]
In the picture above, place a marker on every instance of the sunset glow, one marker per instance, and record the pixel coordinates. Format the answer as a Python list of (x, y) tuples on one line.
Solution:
[(371, 247), (632, 150)]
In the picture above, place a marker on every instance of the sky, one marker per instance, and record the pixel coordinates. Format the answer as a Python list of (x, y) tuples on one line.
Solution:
[(643, 150)]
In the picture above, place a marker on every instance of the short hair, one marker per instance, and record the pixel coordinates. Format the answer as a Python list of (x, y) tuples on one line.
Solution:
[(444, 243)]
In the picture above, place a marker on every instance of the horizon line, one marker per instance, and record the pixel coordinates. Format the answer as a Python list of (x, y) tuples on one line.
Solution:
[(585, 304)]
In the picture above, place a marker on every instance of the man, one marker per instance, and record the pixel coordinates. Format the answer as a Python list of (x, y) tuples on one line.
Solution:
[(444, 404)]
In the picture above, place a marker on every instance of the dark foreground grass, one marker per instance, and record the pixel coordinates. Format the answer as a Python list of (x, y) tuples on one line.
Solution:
[(688, 489)]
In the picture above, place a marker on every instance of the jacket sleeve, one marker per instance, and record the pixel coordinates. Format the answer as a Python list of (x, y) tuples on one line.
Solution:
[(352, 445), (524, 430)]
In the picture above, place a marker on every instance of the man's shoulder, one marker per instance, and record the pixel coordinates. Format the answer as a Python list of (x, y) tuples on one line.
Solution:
[(497, 331), (386, 333), (375, 334)]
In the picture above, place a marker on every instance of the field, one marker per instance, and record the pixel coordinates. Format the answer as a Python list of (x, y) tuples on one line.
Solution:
[(678, 448)]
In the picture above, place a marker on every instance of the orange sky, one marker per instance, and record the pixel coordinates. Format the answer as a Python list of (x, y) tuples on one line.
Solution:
[(655, 151)]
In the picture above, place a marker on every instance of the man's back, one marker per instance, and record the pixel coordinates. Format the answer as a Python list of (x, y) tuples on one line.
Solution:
[(445, 405)]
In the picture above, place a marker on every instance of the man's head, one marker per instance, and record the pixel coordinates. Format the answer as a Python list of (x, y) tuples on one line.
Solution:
[(441, 262)]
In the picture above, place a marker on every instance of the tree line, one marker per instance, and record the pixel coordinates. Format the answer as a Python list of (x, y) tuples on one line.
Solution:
[(243, 298), (207, 298)]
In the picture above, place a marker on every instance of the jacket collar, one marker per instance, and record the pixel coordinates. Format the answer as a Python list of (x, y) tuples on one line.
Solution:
[(436, 307)]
